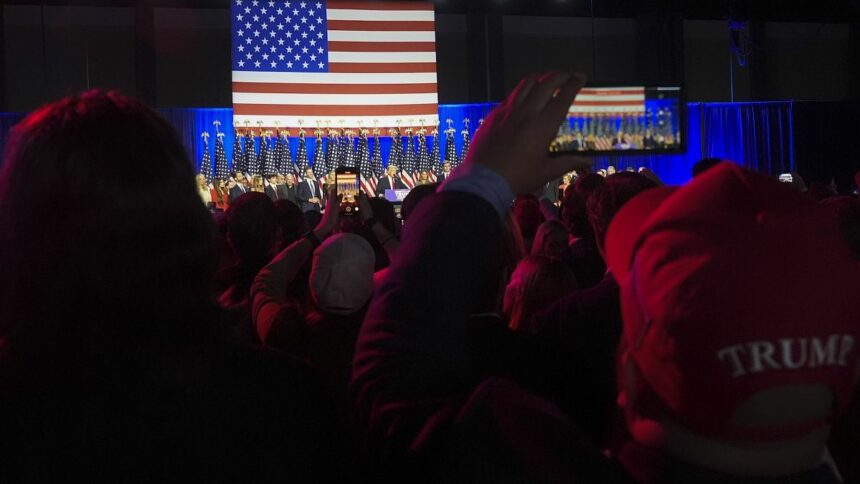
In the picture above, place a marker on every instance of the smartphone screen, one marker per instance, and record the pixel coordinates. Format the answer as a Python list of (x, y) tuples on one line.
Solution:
[(347, 185), (623, 118)]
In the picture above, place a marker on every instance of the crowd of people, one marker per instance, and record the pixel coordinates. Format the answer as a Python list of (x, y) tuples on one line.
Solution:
[(633, 332)]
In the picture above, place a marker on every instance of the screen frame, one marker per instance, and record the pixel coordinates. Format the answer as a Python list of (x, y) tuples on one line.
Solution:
[(682, 123)]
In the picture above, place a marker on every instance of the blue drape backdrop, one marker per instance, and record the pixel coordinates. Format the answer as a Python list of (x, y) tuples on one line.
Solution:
[(759, 135)]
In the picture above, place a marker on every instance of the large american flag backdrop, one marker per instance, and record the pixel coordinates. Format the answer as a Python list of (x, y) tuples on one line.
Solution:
[(335, 63)]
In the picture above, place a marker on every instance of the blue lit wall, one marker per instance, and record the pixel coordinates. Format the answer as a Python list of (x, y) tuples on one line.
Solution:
[(757, 135)]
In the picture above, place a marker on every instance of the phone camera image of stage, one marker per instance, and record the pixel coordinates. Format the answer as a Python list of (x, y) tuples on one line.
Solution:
[(622, 118)]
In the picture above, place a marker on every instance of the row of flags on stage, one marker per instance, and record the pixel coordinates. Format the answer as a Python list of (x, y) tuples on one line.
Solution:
[(335, 148)]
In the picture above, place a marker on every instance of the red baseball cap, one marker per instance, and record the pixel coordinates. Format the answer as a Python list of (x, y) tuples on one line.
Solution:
[(731, 285)]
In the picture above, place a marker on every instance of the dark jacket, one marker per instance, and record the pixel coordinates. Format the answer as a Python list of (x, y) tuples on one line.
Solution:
[(304, 194), (384, 184)]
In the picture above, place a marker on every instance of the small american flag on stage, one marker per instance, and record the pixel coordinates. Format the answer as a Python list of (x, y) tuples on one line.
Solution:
[(610, 100), (338, 62)]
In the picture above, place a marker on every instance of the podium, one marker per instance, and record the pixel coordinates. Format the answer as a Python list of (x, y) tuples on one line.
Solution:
[(396, 196)]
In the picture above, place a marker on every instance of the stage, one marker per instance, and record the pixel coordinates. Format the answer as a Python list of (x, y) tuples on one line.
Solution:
[(759, 135)]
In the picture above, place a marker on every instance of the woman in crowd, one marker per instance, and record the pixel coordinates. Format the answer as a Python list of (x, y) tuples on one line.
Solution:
[(257, 184), (220, 195), (537, 282), (203, 189)]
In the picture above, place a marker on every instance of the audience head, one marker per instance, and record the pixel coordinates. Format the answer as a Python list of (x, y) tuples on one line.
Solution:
[(273, 179), (309, 174), (281, 179), (342, 274), (610, 170), (528, 215), (609, 197), (383, 212), (446, 167), (536, 282), (704, 165), (551, 239), (573, 206), (201, 180), (238, 176), (252, 229), (290, 179), (740, 321), (111, 265), (416, 196), (290, 220)]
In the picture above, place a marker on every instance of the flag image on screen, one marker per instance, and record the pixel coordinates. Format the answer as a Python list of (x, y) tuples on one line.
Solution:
[(609, 100), (348, 64), (630, 118)]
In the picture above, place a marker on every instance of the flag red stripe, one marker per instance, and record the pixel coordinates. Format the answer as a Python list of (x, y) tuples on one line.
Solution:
[(360, 67), (345, 46), (381, 5), (289, 88), (601, 92), (610, 103), (323, 110), (382, 26)]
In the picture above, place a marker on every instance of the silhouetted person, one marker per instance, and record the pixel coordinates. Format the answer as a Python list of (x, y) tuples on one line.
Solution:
[(114, 365)]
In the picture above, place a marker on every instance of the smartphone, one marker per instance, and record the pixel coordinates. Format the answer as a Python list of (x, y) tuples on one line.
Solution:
[(628, 119), (347, 186), (786, 178)]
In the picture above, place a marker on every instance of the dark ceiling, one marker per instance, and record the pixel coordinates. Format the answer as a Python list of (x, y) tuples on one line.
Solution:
[(776, 10)]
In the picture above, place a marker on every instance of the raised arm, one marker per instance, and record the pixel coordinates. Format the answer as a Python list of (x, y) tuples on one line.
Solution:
[(269, 290), (411, 373)]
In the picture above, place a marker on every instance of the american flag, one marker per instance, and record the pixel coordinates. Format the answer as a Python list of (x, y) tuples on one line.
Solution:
[(395, 154), (436, 156), (331, 155), (206, 162), (319, 61), (250, 160), (302, 154), (263, 158), (270, 163), (423, 153), (365, 174), (376, 165), (608, 100), (220, 158), (407, 161), (344, 149), (467, 141), (451, 146), (238, 153), (319, 159)]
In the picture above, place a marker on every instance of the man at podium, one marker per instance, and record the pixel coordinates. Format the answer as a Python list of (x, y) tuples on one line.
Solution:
[(389, 182)]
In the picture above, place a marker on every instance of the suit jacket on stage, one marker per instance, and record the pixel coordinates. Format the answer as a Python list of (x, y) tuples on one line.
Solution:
[(304, 194), (272, 193), (442, 176), (384, 184), (289, 193), (238, 191)]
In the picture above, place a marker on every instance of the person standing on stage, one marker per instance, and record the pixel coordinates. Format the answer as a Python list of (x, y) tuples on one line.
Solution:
[(272, 188), (309, 193), (389, 182), (446, 172), (239, 189), (288, 189), (203, 189), (220, 195)]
